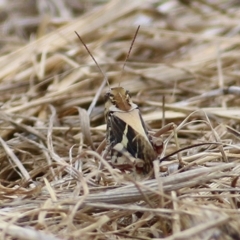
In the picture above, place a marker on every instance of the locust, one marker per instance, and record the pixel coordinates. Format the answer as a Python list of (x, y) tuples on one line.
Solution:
[(130, 146), (127, 137)]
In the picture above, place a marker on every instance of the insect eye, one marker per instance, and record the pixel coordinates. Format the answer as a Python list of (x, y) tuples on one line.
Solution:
[(128, 94), (107, 95)]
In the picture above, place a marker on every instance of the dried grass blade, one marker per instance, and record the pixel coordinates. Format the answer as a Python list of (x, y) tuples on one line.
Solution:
[(23, 127), (85, 126), (101, 221), (15, 159), (72, 171), (89, 23), (197, 230), (130, 193), (25, 233)]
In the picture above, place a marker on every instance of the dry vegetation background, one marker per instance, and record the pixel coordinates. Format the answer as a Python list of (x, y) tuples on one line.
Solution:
[(51, 186)]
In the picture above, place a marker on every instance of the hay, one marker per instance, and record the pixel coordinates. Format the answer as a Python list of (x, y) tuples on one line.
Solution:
[(54, 182)]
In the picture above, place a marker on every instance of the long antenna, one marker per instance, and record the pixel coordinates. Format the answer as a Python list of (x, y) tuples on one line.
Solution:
[(83, 43), (105, 80), (130, 49)]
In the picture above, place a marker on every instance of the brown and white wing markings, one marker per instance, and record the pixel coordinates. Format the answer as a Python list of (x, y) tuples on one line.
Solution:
[(126, 129)]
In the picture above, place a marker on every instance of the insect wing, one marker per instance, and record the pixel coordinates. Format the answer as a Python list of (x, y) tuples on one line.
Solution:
[(128, 129)]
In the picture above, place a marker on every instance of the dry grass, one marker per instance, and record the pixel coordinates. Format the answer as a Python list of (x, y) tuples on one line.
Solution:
[(51, 184)]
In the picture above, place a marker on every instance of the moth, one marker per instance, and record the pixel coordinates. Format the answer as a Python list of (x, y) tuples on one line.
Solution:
[(127, 137)]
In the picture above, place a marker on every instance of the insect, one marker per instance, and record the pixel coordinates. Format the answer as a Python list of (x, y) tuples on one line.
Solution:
[(127, 140), (127, 136)]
